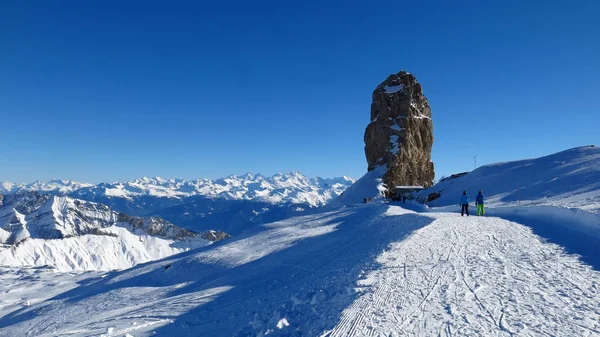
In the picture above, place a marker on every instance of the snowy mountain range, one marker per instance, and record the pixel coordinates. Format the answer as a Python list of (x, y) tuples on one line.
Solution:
[(56, 186), (230, 204), (292, 187), (353, 269), (77, 226), (70, 234)]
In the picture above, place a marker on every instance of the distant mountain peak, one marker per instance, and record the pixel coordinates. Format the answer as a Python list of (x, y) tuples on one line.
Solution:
[(292, 187), (73, 234), (55, 217)]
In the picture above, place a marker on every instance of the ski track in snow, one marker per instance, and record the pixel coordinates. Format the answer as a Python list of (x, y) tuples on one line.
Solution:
[(475, 276), (368, 270)]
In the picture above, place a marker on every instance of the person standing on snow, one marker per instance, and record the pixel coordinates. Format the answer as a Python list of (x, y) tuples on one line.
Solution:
[(479, 204), (464, 203)]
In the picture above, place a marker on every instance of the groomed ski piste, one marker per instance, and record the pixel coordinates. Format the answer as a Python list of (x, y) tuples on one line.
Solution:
[(375, 269)]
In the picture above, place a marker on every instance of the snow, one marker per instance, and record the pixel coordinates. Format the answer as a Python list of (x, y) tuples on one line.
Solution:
[(94, 252), (282, 323), (573, 219), (421, 115), (75, 235), (54, 186), (20, 286), (392, 89), (51, 217), (354, 269), (292, 187), (119, 191), (568, 179), (245, 250), (372, 269), (477, 277), (409, 187), (369, 186)]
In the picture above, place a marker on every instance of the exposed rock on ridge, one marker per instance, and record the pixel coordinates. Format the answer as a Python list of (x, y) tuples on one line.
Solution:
[(33, 215), (400, 134)]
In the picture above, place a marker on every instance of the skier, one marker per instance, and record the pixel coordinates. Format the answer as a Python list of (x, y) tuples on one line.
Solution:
[(479, 204), (464, 203)]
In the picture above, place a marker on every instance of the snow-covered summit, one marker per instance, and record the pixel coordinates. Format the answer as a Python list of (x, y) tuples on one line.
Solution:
[(70, 234), (33, 215)]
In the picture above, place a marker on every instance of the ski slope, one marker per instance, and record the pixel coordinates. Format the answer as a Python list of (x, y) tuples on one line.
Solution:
[(374, 269), (474, 277), (20, 286)]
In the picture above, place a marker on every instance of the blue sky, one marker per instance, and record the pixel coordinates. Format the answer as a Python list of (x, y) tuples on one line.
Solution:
[(112, 90)]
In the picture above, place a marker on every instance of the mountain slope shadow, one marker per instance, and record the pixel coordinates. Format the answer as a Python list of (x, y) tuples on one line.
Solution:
[(292, 279), (586, 246)]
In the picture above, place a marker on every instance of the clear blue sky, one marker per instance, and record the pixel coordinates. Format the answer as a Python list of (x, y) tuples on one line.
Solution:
[(114, 90)]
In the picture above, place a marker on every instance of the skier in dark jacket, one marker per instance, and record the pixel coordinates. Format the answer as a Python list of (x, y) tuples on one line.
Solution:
[(464, 203), (479, 204)]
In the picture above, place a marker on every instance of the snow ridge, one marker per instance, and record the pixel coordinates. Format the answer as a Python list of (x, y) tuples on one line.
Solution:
[(57, 217), (71, 234), (58, 186)]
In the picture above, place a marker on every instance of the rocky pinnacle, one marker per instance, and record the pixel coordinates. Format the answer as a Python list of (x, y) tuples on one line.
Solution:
[(400, 134)]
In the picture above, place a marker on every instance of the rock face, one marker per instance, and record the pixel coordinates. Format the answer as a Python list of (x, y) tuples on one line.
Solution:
[(215, 236), (400, 134), (32, 215)]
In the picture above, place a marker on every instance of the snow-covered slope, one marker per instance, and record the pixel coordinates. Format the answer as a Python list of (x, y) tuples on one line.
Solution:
[(370, 186), (353, 269), (117, 248), (71, 234), (566, 179), (362, 270)]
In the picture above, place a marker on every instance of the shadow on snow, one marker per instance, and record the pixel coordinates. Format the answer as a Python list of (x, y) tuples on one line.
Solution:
[(308, 283), (586, 246)]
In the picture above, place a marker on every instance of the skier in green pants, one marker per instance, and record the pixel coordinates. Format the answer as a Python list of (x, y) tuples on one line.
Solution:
[(479, 204)]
